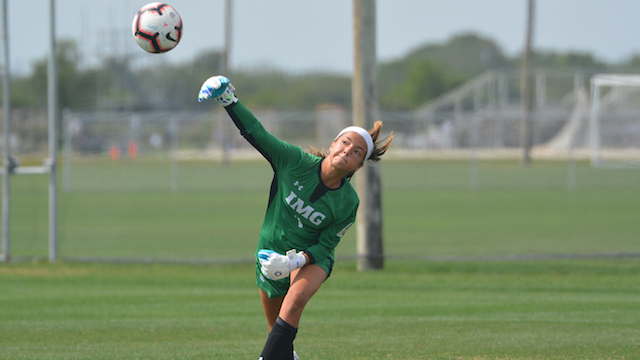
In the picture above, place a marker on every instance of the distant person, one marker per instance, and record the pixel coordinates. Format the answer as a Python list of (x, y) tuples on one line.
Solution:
[(311, 205)]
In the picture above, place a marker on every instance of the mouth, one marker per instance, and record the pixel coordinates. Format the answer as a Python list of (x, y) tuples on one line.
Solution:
[(341, 158)]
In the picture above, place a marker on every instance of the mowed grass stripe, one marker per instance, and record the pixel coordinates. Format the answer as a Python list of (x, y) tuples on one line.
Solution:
[(411, 310)]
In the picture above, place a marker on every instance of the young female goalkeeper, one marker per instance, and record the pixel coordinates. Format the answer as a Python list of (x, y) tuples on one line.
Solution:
[(311, 205)]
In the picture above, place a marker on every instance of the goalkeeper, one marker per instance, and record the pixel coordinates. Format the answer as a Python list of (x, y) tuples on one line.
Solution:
[(311, 205)]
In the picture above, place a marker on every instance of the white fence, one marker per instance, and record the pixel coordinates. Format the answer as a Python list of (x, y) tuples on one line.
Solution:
[(479, 121)]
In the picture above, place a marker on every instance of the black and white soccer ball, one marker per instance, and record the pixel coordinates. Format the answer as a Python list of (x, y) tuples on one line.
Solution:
[(157, 27)]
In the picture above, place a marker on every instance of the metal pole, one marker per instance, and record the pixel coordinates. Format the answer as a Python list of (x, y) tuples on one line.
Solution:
[(6, 116), (67, 138), (365, 112), (173, 138), (594, 123), (526, 131), (224, 70), (571, 171), (53, 138), (474, 138), (227, 37)]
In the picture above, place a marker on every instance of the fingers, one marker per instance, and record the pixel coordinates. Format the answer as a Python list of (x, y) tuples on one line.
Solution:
[(213, 87), (273, 265)]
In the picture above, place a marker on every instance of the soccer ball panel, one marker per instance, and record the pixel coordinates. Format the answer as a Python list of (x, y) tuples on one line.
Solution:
[(157, 27)]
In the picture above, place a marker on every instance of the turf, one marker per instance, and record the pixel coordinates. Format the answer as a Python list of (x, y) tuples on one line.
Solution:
[(423, 305), (560, 309), (422, 217)]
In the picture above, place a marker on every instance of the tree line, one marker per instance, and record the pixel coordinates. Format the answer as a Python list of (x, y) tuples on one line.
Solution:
[(404, 84)]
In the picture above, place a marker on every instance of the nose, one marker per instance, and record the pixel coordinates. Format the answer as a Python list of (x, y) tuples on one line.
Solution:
[(347, 149)]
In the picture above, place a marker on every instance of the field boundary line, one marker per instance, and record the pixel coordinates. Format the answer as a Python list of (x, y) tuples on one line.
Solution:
[(513, 257), (460, 258)]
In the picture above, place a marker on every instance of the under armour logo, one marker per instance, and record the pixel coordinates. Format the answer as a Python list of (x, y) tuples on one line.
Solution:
[(300, 186)]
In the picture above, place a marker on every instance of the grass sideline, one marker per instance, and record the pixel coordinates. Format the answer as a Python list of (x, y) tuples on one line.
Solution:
[(559, 309)]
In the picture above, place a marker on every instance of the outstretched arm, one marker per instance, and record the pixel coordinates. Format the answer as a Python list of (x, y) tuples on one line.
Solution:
[(279, 153)]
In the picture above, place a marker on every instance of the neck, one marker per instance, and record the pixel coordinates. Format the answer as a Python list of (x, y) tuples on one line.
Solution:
[(330, 176)]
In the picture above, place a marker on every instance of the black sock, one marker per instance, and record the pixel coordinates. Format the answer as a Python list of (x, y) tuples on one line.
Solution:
[(279, 344)]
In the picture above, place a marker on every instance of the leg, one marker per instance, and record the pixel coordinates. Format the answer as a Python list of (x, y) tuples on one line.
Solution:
[(304, 284), (271, 307)]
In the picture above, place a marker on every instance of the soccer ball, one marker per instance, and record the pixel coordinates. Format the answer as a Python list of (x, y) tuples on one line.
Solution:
[(157, 27)]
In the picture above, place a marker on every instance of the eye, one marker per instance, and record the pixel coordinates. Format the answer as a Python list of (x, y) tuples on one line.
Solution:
[(358, 152)]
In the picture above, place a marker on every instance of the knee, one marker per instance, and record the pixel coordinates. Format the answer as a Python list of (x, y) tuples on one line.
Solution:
[(296, 301)]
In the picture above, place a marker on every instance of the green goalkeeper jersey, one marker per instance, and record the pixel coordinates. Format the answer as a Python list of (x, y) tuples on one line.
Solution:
[(302, 213)]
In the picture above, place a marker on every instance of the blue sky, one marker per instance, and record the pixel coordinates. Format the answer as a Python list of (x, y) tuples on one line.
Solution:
[(301, 35)]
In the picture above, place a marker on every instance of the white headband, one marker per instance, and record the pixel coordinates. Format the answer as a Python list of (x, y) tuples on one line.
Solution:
[(365, 135)]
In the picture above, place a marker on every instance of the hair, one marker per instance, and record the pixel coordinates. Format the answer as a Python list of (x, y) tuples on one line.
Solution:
[(379, 147)]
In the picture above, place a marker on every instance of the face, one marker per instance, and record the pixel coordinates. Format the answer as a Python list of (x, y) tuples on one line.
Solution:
[(347, 152)]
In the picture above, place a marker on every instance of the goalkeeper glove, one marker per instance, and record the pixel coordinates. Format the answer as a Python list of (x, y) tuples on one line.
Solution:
[(219, 88), (275, 266)]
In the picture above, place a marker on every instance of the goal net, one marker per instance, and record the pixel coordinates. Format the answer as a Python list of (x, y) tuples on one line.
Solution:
[(615, 120)]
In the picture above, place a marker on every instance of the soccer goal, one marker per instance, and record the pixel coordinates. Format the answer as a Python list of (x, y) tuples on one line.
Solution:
[(615, 120), (10, 165)]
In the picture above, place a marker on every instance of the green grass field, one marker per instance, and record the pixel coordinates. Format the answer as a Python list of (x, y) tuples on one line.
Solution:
[(561, 309), (440, 308), (424, 218)]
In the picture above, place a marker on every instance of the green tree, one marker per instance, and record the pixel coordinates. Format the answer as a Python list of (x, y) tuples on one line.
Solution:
[(566, 61), (634, 62), (434, 69), (403, 84), (76, 89), (425, 80)]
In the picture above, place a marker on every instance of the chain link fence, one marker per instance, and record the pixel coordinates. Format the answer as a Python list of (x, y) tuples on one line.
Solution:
[(180, 186)]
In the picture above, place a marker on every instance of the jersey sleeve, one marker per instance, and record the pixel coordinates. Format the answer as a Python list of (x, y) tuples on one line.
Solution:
[(279, 153), (330, 237)]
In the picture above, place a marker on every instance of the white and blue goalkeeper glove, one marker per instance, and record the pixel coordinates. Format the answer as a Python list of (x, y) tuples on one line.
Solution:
[(275, 266), (219, 88)]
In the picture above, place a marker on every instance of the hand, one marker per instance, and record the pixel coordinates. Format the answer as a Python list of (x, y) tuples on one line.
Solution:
[(219, 88), (275, 266)]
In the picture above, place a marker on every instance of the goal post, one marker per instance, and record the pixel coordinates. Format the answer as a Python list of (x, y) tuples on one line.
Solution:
[(5, 249), (10, 165), (615, 120)]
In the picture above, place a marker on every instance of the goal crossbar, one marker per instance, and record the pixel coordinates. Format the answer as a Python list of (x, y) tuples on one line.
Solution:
[(597, 83)]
